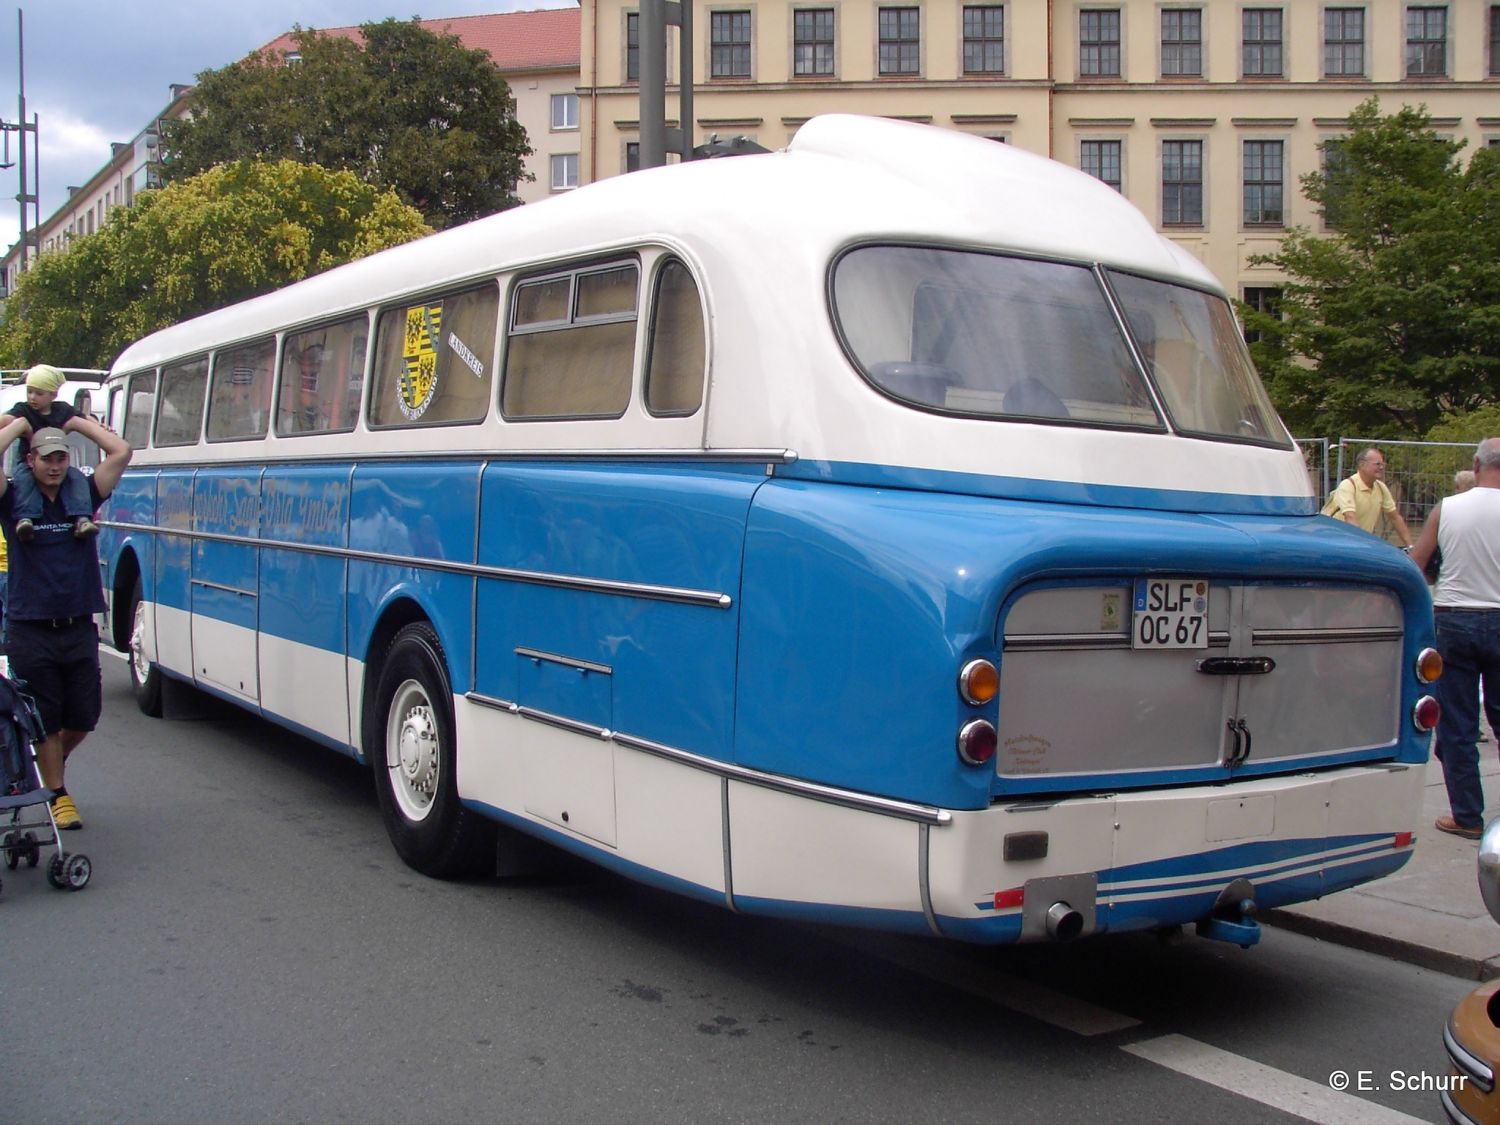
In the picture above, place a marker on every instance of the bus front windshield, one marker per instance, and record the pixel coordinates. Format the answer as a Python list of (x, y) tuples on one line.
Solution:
[(987, 335)]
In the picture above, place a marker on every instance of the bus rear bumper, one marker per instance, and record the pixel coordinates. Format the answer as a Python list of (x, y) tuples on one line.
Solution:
[(1138, 861)]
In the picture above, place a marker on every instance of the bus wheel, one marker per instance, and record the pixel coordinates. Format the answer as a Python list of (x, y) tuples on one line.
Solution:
[(145, 676), (414, 760)]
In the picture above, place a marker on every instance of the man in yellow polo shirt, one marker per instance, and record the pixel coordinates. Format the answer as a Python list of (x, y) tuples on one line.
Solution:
[(1364, 498)]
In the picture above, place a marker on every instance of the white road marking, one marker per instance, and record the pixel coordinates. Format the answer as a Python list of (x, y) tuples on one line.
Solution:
[(1265, 1084)]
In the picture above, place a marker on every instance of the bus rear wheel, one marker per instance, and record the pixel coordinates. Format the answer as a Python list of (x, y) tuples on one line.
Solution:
[(145, 675), (414, 756)]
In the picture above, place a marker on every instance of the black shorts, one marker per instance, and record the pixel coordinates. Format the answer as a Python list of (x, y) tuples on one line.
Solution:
[(61, 668)]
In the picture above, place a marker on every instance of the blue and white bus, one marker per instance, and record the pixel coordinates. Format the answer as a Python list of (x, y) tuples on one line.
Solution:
[(890, 530)]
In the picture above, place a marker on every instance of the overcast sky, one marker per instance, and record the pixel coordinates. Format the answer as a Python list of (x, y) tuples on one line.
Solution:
[(98, 71)]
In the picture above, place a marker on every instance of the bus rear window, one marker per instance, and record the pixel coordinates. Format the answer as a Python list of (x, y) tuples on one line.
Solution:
[(982, 334), (1198, 361)]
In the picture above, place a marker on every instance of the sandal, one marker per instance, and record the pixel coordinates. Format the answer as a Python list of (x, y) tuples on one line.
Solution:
[(1453, 828)]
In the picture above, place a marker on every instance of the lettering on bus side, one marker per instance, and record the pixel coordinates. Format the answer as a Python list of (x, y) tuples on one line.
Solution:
[(295, 512)]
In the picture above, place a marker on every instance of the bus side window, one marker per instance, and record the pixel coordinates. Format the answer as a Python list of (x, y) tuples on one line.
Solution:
[(434, 360), (317, 368), (141, 405), (572, 345), (674, 368), (240, 402), (182, 388)]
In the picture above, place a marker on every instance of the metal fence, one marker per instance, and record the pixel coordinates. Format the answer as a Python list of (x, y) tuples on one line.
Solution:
[(1418, 473)]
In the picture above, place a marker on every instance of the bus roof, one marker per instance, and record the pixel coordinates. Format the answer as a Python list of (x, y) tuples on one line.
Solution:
[(844, 178)]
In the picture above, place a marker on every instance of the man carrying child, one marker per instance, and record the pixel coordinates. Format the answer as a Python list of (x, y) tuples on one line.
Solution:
[(42, 410)]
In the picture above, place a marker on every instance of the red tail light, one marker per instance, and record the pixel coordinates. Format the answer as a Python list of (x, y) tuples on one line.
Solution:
[(976, 742), (1425, 715)]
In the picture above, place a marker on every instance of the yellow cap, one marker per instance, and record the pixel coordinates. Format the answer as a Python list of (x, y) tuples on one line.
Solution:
[(45, 377)]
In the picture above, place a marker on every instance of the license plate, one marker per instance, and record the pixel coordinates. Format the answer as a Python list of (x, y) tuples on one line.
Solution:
[(1170, 613)]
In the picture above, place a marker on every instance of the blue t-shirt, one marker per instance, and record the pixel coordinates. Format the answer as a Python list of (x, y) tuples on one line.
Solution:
[(55, 574)]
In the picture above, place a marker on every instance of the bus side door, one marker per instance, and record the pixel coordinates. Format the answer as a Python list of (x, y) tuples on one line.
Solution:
[(302, 605), (225, 588)]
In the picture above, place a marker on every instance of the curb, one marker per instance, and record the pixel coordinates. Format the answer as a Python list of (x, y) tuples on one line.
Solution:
[(1398, 949)]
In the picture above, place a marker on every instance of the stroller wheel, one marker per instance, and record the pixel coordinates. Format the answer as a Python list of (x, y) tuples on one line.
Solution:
[(69, 872), (12, 849), (76, 872), (32, 849)]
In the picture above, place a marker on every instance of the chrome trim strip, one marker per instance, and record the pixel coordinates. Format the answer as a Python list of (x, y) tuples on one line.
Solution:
[(1451, 1108), (603, 734), (1057, 642), (924, 885), (862, 802), (1325, 636), (206, 584), (724, 830), (1466, 1061), (738, 455), (492, 702), (568, 661), (708, 598)]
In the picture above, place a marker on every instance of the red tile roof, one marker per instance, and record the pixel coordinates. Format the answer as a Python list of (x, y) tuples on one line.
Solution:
[(517, 41)]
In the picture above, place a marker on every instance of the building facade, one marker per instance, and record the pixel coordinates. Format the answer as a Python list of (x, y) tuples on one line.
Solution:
[(1203, 114), (537, 52)]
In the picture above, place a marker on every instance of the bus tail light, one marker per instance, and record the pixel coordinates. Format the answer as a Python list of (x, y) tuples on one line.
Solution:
[(1429, 665), (976, 742), (979, 682), (1425, 715)]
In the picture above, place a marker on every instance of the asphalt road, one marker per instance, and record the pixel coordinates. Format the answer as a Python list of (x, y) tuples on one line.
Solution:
[(250, 949)]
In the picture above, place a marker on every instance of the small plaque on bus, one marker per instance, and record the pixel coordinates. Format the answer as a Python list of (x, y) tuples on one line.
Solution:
[(1170, 613)]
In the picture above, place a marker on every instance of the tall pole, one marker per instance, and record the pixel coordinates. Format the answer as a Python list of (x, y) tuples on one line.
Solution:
[(21, 121)]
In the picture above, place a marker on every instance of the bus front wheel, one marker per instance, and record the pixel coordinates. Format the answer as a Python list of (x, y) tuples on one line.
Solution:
[(145, 675), (414, 760)]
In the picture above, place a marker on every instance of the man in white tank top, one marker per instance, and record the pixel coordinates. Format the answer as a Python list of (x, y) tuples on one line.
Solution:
[(1466, 610)]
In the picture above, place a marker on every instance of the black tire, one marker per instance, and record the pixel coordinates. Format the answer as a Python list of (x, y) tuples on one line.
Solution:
[(145, 675), (76, 872), (409, 741)]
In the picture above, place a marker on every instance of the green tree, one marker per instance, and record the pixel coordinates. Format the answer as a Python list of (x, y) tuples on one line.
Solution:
[(233, 232), (1391, 319), (409, 110)]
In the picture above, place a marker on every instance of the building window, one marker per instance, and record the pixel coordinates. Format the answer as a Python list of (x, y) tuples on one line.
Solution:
[(1263, 183), (1426, 42), (1263, 299), (1344, 43), (1182, 183), (565, 111), (632, 156), (1101, 159), (565, 171), (1260, 46), (1099, 43), (1494, 40), (812, 42), (1182, 42), (984, 39), (900, 41), (632, 46), (729, 44)]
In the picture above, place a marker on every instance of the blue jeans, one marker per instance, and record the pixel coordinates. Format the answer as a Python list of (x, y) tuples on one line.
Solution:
[(27, 504), (1470, 643)]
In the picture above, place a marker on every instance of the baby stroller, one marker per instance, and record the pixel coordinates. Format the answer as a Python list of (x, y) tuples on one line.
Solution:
[(21, 788)]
